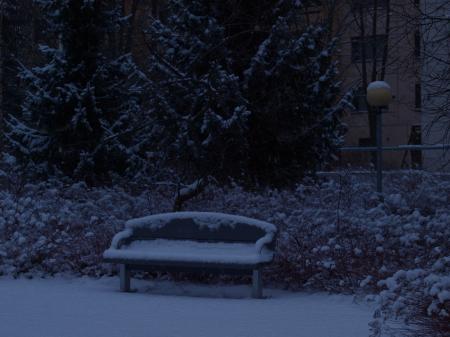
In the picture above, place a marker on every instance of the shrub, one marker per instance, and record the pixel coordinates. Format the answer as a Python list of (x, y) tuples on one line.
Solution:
[(421, 297), (334, 233)]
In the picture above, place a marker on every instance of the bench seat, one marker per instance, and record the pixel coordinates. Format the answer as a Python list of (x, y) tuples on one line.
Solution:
[(185, 251)]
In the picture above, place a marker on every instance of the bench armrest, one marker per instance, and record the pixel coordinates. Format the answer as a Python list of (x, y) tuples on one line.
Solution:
[(120, 237), (264, 241)]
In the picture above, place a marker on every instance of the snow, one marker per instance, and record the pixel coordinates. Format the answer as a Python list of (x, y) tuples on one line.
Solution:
[(210, 219), (119, 237), (378, 85), (192, 251), (190, 189), (263, 241), (94, 308)]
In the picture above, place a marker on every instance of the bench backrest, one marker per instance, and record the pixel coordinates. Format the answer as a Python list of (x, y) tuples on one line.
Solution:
[(199, 226)]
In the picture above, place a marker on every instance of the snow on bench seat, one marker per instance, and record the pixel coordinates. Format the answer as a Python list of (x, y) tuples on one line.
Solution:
[(191, 251)]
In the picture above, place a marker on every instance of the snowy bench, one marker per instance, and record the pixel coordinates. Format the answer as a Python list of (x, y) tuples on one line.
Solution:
[(194, 241)]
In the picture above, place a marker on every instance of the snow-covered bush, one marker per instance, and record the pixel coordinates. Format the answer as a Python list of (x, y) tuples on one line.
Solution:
[(54, 227), (421, 297), (334, 233)]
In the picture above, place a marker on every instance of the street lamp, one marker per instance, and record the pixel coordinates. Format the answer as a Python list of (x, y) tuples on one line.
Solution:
[(379, 95)]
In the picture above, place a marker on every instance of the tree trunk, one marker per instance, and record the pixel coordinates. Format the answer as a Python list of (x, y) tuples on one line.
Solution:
[(131, 26), (372, 112), (386, 46), (189, 192)]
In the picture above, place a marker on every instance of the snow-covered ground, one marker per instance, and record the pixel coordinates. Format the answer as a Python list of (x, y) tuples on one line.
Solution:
[(84, 307)]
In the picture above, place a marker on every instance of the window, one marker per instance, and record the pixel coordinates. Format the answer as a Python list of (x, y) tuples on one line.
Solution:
[(359, 100), (418, 96), (357, 4), (369, 43), (365, 142), (315, 4)]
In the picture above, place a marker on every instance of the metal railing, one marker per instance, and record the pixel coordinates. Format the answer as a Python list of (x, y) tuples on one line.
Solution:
[(395, 148), (380, 149)]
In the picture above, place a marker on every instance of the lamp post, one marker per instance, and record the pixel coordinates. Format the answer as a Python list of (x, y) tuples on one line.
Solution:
[(379, 94)]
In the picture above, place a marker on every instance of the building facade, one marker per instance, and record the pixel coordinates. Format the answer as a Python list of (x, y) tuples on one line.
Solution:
[(379, 40)]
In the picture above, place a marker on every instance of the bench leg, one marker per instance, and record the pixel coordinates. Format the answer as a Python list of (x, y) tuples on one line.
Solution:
[(257, 284), (124, 275)]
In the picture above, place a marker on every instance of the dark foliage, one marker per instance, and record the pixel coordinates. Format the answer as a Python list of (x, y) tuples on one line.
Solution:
[(79, 106), (244, 90)]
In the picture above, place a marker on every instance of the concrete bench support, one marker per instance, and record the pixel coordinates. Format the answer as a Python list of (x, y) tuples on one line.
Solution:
[(124, 278), (257, 284)]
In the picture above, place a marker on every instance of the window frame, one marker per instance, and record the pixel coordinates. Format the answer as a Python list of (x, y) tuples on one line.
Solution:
[(357, 45)]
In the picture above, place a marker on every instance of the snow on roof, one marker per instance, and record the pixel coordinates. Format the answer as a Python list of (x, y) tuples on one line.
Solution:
[(378, 85), (209, 219)]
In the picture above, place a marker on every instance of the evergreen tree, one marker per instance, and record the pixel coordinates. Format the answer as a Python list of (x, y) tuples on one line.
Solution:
[(292, 87), (15, 30), (80, 108), (245, 88), (200, 114)]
